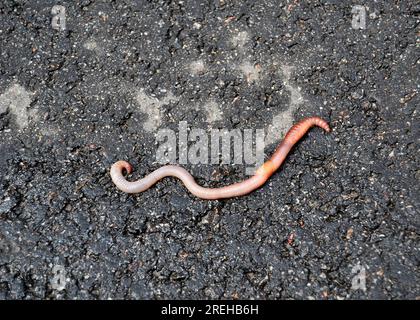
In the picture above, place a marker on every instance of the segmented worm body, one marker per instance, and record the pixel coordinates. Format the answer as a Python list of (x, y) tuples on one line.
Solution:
[(234, 190)]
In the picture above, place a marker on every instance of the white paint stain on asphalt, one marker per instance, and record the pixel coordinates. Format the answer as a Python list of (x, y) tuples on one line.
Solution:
[(197, 67), (283, 120), (151, 107), (16, 100), (213, 112)]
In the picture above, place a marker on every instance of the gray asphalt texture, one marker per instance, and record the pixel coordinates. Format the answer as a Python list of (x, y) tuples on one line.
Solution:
[(73, 102)]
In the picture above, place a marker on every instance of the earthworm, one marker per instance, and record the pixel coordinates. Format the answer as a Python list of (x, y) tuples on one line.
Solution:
[(234, 190)]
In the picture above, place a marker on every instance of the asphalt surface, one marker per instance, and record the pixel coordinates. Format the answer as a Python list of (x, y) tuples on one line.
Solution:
[(339, 220)]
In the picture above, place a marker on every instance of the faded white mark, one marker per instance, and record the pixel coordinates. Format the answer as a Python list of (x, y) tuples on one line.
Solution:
[(283, 121), (197, 67), (213, 112), (279, 125), (151, 106), (240, 39), (197, 26), (16, 100), (92, 45), (250, 71), (51, 131), (296, 98)]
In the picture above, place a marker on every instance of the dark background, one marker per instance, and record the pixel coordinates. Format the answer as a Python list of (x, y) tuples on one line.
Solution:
[(73, 102)]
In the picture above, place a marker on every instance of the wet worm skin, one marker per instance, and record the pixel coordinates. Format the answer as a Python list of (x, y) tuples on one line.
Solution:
[(234, 190)]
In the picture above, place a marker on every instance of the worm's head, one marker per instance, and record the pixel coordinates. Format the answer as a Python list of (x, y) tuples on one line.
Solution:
[(321, 123)]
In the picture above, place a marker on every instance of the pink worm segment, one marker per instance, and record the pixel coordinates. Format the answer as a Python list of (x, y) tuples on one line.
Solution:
[(237, 189)]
